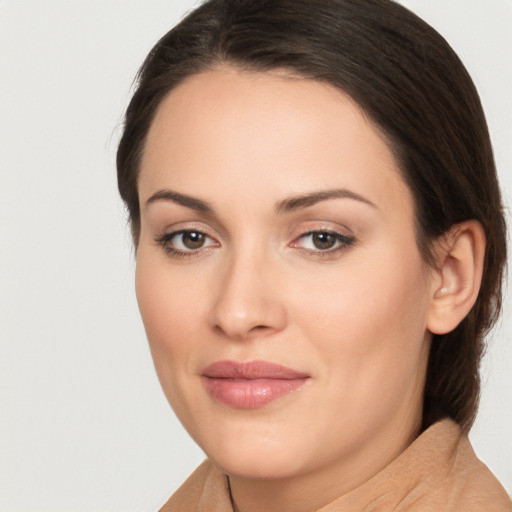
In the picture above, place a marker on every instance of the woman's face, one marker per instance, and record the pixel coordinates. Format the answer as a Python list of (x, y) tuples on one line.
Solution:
[(278, 277)]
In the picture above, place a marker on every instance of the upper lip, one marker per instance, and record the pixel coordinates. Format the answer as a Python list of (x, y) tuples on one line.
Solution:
[(251, 370)]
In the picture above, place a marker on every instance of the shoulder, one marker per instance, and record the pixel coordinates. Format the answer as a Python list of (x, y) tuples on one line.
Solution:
[(438, 472), (458, 480), (478, 488)]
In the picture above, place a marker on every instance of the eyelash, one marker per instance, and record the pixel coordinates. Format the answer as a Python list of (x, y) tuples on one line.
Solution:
[(342, 242), (164, 241)]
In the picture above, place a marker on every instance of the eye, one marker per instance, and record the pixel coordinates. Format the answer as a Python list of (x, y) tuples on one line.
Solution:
[(323, 241), (185, 242), (188, 240)]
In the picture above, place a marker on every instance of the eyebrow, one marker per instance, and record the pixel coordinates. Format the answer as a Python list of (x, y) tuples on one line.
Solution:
[(287, 205), (304, 200), (184, 200)]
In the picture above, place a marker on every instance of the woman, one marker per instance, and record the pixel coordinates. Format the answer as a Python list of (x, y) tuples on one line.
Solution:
[(320, 249)]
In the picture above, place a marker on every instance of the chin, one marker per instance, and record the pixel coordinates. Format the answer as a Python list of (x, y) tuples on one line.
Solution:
[(256, 456)]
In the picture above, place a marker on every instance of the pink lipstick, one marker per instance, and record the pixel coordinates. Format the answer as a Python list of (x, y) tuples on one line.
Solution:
[(248, 385)]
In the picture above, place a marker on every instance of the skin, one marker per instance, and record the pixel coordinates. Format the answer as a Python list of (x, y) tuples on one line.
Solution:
[(354, 318)]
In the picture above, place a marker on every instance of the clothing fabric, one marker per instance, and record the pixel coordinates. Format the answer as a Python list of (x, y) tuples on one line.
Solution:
[(438, 472)]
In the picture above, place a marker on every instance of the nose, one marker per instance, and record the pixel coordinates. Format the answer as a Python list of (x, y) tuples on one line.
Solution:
[(248, 300)]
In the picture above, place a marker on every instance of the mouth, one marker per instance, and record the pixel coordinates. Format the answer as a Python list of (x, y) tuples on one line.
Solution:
[(253, 384)]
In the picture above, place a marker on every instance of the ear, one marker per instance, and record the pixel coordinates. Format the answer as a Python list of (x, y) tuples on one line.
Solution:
[(457, 276)]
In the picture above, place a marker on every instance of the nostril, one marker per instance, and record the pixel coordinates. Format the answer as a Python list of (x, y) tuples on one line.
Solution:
[(244, 332), (259, 327)]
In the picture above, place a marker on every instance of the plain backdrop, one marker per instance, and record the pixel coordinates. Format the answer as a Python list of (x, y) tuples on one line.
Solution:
[(84, 426)]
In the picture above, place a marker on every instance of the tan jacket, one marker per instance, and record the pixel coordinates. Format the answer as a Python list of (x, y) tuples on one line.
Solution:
[(439, 472)]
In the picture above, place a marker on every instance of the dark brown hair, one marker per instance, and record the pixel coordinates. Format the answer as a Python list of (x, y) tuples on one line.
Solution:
[(409, 81)]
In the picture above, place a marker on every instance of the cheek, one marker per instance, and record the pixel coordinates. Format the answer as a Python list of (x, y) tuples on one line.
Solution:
[(169, 317), (170, 309), (369, 318), (370, 336), (168, 305)]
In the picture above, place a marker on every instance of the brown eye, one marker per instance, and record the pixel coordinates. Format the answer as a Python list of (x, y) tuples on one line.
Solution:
[(193, 239), (186, 242), (324, 241)]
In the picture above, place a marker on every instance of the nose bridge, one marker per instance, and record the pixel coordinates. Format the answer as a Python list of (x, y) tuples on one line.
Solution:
[(248, 296)]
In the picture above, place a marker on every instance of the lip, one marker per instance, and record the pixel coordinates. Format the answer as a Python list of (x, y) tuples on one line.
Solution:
[(252, 384)]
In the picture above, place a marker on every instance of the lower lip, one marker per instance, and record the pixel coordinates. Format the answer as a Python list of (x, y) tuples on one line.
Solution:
[(250, 393)]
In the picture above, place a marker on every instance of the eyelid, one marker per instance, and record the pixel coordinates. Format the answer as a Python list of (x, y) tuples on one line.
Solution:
[(310, 232), (180, 227), (314, 226)]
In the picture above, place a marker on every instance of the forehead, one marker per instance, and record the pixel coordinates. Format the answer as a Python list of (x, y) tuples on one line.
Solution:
[(269, 131)]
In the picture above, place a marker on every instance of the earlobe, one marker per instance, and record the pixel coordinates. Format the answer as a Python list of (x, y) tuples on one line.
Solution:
[(457, 276)]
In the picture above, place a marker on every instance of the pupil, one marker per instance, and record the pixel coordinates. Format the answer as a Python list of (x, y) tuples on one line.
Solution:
[(193, 240), (324, 240)]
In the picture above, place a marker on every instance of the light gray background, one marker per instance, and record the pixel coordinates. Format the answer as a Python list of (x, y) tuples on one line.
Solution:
[(84, 426)]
